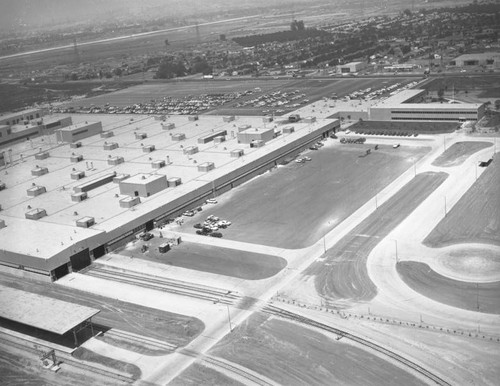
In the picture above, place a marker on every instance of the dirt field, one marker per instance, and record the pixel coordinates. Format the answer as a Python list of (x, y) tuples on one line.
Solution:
[(293, 355), (480, 205), (196, 375), (322, 193), (207, 258), (459, 152), (343, 275), (19, 367), (162, 325), (481, 297)]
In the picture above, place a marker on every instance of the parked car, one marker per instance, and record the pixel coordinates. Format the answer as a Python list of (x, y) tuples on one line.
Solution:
[(395, 146), (307, 158), (300, 160), (211, 201), (313, 147), (198, 226), (146, 236), (216, 234)]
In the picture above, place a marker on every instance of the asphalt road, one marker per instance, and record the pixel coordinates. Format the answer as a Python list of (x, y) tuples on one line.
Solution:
[(343, 274), (480, 297)]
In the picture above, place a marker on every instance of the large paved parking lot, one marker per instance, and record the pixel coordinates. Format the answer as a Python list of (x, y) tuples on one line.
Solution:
[(294, 205)]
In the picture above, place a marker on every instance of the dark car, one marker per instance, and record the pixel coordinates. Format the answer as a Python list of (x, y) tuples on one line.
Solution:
[(313, 147), (198, 226), (146, 236), (216, 234)]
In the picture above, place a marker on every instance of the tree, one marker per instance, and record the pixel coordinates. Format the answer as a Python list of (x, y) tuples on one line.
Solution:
[(497, 104), (167, 43)]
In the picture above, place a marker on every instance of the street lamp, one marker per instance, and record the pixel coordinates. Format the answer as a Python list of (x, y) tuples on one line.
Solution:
[(445, 211), (396, 244), (229, 318)]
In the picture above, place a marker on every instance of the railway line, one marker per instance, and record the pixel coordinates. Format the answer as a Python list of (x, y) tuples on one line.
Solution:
[(150, 343), (213, 294), (273, 310), (65, 358), (227, 366)]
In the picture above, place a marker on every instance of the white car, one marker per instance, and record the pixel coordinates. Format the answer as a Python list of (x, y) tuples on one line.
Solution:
[(307, 158), (395, 146), (300, 160), (211, 201)]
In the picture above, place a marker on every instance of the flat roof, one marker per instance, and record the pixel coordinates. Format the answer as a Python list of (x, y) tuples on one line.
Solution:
[(57, 233), (143, 178), (19, 114), (77, 126), (402, 96), (42, 312), (437, 106)]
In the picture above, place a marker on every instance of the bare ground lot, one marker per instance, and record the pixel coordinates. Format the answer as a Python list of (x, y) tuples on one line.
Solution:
[(480, 205), (197, 374), (162, 325), (459, 152), (291, 354), (19, 367), (481, 297), (293, 206), (343, 275), (208, 258)]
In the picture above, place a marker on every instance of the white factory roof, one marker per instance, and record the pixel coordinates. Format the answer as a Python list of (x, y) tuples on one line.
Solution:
[(39, 238), (54, 233), (143, 178)]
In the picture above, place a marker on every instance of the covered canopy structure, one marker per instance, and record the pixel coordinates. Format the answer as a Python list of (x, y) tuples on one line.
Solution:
[(45, 313)]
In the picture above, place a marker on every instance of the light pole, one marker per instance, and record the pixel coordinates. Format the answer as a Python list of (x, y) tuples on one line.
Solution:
[(445, 211), (229, 318), (396, 244), (414, 167)]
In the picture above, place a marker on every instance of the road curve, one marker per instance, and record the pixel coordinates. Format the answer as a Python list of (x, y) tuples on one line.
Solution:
[(344, 275)]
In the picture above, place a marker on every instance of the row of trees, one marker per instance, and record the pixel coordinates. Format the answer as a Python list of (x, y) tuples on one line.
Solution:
[(171, 67)]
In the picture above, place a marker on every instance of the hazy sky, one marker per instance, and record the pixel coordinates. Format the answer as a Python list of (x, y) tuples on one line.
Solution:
[(52, 12)]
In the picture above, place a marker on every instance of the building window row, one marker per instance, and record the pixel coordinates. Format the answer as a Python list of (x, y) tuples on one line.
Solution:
[(436, 112), (427, 119)]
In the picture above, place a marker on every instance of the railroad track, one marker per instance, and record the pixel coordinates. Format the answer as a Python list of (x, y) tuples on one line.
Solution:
[(343, 334), (66, 358), (140, 339), (227, 366), (213, 294)]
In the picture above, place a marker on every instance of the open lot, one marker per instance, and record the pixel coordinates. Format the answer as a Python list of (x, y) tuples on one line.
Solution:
[(207, 258), (480, 297), (311, 89), (20, 367), (301, 356), (459, 152), (197, 374), (480, 206), (162, 325), (343, 275), (294, 205)]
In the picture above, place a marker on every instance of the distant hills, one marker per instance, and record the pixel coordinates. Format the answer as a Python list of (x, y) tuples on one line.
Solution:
[(37, 13)]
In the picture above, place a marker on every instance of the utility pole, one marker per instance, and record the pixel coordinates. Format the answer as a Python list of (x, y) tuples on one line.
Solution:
[(229, 318)]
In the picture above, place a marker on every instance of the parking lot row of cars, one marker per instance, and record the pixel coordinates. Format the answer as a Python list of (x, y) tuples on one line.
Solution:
[(285, 99), (187, 105), (211, 226)]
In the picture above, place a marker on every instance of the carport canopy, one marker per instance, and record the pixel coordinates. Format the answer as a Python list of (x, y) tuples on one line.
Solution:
[(42, 312)]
